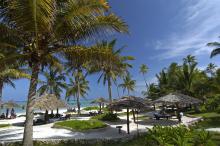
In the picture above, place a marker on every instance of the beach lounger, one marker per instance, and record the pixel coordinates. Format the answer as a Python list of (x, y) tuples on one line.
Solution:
[(162, 116)]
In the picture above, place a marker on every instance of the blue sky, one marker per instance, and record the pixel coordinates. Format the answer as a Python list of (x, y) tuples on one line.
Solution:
[(161, 32)]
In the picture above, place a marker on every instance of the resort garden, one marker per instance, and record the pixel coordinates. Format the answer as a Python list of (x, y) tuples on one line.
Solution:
[(57, 44)]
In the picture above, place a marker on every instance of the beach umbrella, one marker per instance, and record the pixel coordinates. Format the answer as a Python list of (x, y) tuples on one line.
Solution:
[(48, 102), (99, 101), (129, 102), (177, 99), (11, 104)]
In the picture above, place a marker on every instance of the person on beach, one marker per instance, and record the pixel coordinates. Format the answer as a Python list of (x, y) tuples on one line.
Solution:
[(2, 116), (7, 113)]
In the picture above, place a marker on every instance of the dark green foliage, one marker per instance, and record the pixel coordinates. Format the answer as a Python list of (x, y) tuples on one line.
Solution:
[(111, 117), (178, 136)]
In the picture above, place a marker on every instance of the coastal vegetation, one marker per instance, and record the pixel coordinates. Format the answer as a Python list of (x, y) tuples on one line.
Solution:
[(63, 41), (39, 33), (80, 125), (110, 117)]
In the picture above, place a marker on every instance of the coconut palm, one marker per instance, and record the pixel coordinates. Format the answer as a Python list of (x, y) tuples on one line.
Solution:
[(77, 88), (41, 30), (128, 84), (54, 84), (111, 69), (216, 51), (143, 71), (211, 69)]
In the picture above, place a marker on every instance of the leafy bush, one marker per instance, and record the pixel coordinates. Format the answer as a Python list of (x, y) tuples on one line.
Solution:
[(80, 125), (179, 136), (212, 103), (111, 117)]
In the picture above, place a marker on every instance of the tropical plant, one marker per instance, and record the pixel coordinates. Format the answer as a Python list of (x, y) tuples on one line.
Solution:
[(128, 84), (143, 71), (112, 70), (178, 136), (77, 88), (211, 69), (40, 30), (216, 51), (54, 84)]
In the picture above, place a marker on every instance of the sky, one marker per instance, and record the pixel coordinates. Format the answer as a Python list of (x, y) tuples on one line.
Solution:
[(161, 32)]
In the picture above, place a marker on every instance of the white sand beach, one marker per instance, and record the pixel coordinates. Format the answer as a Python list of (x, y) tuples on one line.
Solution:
[(15, 132)]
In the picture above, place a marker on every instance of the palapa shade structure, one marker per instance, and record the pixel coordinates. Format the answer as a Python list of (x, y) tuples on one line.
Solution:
[(48, 102), (129, 102), (99, 101), (177, 99), (11, 104)]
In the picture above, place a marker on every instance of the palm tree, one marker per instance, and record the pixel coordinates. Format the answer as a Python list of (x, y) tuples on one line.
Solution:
[(41, 30), (216, 51), (77, 88), (211, 68), (143, 71), (54, 84), (112, 69), (128, 84), (189, 60)]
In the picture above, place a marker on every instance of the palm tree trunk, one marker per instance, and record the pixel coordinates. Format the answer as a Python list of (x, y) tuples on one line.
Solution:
[(28, 130), (1, 89), (109, 90), (145, 80), (78, 96)]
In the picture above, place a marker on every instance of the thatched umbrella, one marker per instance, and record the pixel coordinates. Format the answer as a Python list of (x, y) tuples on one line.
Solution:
[(48, 102), (99, 101), (10, 105), (177, 98), (129, 102)]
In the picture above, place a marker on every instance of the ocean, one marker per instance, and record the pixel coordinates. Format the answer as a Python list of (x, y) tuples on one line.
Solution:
[(22, 109)]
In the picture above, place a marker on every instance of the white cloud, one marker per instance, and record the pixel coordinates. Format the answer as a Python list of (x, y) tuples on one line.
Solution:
[(200, 24)]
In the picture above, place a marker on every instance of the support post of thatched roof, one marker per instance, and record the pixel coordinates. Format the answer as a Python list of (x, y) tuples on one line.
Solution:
[(128, 123)]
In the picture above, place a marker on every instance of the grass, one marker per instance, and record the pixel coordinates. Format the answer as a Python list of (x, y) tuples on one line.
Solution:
[(211, 120), (216, 138), (78, 125), (89, 108), (4, 125)]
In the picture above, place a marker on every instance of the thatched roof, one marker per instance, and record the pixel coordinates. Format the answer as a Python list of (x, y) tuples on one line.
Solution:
[(99, 100), (11, 104), (174, 98), (48, 102), (129, 102)]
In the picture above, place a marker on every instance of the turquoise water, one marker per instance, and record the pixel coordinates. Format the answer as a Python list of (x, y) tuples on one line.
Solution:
[(83, 102)]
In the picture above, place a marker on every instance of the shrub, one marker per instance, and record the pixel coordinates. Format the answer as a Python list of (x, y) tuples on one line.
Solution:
[(80, 125), (111, 117), (181, 136)]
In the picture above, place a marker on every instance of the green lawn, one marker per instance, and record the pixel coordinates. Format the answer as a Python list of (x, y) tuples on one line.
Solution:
[(89, 108), (80, 125), (211, 120), (4, 125)]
